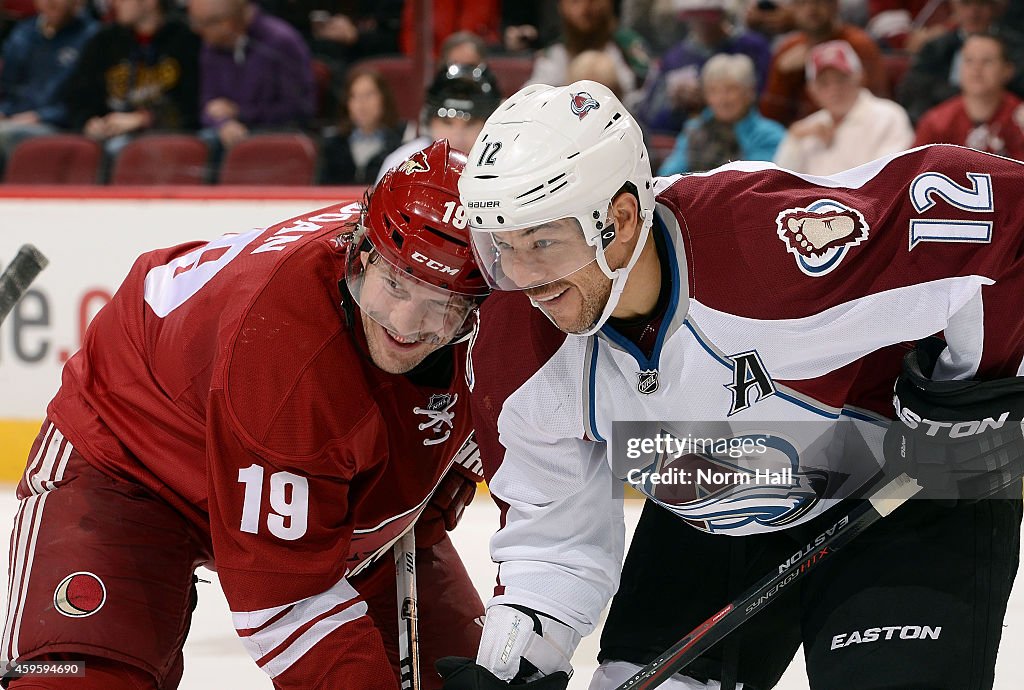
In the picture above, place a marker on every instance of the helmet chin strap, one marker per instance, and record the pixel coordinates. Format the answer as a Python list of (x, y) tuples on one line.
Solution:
[(620, 276)]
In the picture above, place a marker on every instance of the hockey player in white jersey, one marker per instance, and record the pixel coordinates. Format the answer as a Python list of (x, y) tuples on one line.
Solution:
[(766, 315)]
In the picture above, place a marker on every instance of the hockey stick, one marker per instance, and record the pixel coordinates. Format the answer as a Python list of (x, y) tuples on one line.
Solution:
[(16, 278), (881, 503), (408, 628)]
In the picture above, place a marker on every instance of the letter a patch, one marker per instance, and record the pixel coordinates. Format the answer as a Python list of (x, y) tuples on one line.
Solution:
[(748, 374)]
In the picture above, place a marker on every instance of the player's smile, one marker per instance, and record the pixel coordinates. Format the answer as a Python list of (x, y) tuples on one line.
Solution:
[(551, 298), (398, 342), (392, 352)]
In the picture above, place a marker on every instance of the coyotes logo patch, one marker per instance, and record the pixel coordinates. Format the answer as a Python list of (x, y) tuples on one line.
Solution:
[(820, 235), (416, 163)]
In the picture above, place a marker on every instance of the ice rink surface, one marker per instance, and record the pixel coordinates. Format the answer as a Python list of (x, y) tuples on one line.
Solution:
[(215, 660)]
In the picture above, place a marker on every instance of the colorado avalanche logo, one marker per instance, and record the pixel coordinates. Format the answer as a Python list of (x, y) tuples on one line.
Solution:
[(417, 163), (79, 595), (721, 496), (820, 235), (583, 103)]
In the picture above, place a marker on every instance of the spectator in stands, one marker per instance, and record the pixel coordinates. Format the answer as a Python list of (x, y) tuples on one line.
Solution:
[(139, 73), (463, 48), (39, 56), (985, 116), (457, 103), (730, 128), (368, 132), (675, 93), (482, 17), (598, 66), (592, 25), (528, 24), (785, 96), (256, 71), (934, 74), (906, 25), (341, 32), (656, 20), (770, 18), (853, 127)]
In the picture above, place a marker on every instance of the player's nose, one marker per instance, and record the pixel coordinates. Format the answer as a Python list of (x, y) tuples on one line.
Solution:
[(406, 317)]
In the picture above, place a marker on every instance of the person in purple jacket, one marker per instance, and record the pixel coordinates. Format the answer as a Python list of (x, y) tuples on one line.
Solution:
[(673, 94), (255, 71)]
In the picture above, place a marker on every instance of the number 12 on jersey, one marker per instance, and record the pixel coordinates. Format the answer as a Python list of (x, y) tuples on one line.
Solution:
[(289, 503), (977, 198)]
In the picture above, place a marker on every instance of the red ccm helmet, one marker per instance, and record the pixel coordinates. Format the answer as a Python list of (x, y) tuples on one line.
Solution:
[(413, 271)]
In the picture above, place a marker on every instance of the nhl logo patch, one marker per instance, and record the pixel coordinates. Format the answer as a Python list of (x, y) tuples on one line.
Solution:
[(79, 595), (583, 103), (647, 381), (440, 417), (820, 234), (439, 402)]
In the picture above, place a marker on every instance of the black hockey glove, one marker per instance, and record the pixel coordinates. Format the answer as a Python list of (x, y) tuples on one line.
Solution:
[(460, 673), (959, 439)]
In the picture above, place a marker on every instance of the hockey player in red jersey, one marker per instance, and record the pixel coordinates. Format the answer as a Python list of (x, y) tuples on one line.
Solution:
[(769, 313), (281, 405)]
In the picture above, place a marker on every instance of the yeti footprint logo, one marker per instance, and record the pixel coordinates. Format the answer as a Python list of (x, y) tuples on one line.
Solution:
[(820, 235)]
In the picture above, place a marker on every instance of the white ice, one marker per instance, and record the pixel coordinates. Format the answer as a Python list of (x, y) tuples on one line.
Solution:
[(215, 660)]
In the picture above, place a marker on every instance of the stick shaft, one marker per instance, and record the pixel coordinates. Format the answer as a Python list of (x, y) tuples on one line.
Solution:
[(16, 278), (408, 614)]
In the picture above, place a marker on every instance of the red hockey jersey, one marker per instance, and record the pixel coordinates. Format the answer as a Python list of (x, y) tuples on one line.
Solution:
[(225, 377)]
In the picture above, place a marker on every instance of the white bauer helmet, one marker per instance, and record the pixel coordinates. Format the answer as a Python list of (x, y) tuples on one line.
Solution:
[(550, 155)]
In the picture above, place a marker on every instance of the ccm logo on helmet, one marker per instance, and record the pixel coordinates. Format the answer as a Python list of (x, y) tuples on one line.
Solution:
[(435, 265), (952, 429)]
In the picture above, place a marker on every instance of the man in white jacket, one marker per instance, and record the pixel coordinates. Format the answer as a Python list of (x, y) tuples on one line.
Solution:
[(853, 126)]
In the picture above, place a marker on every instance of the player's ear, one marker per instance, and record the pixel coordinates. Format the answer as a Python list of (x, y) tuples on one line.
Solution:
[(625, 213)]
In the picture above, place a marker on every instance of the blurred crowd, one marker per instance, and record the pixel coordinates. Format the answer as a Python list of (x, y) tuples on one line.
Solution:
[(816, 86)]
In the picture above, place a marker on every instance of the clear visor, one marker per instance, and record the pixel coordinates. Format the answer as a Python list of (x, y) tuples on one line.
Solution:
[(408, 307), (534, 256)]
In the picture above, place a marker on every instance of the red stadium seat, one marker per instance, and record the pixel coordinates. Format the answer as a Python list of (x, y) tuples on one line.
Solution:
[(407, 87), (322, 84), (15, 10), (270, 159), (54, 159), (512, 72), (158, 159), (661, 146)]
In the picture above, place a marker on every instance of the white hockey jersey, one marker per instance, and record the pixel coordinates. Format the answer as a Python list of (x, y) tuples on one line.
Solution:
[(793, 299)]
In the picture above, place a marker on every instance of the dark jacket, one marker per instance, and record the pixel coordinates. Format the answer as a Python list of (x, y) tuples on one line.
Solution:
[(118, 74), (36, 68), (927, 82), (339, 166)]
